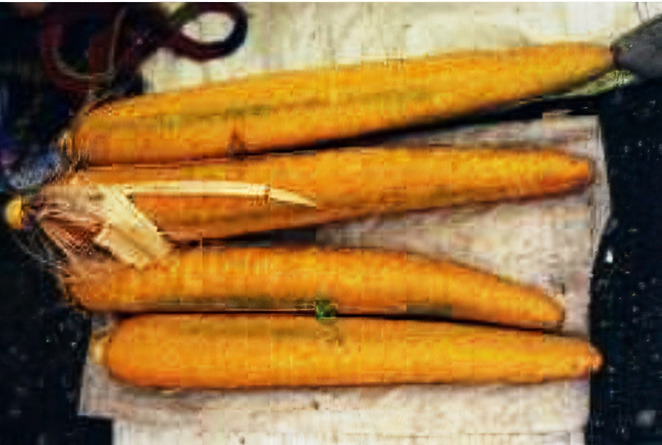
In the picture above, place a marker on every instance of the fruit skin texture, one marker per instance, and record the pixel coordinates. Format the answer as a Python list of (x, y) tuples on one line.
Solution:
[(350, 280), (345, 184), (237, 351), (272, 111)]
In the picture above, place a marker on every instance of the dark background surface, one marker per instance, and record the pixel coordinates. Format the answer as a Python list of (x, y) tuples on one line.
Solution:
[(43, 341), (626, 307)]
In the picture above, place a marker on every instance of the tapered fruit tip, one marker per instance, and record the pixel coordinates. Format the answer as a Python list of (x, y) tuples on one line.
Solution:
[(596, 360), (14, 213), (581, 171), (567, 172), (544, 312)]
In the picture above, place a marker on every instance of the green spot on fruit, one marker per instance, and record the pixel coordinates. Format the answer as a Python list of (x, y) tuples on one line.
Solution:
[(325, 309)]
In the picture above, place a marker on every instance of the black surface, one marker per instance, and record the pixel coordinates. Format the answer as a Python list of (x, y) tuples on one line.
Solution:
[(43, 341), (626, 292)]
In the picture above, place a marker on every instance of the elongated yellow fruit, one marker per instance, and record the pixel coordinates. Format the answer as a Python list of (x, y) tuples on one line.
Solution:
[(352, 281), (238, 351), (344, 184), (261, 113)]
